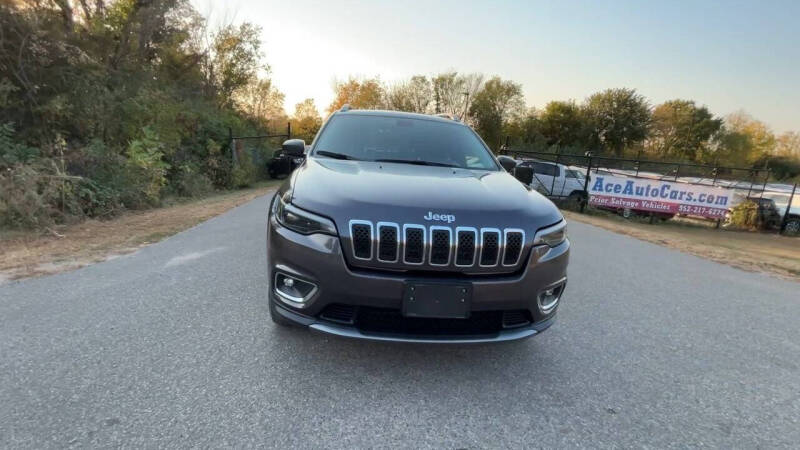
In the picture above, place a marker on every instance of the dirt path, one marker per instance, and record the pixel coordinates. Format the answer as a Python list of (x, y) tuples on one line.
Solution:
[(28, 254)]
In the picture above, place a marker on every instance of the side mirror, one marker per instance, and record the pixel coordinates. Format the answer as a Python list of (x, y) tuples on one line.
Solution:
[(524, 174), (293, 147), (507, 162)]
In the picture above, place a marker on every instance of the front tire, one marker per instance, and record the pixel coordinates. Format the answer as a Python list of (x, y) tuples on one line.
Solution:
[(792, 227), (575, 200)]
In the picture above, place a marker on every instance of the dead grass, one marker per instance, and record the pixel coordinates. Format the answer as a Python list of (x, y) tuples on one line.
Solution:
[(28, 254), (755, 252)]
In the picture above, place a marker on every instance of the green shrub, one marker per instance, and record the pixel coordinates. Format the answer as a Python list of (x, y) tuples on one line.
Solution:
[(245, 172), (147, 171), (217, 165), (190, 182), (12, 152)]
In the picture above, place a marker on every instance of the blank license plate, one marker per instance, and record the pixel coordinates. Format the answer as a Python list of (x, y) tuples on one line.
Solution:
[(435, 300)]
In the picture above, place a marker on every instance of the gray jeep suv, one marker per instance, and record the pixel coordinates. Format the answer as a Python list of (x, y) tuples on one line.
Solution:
[(405, 227)]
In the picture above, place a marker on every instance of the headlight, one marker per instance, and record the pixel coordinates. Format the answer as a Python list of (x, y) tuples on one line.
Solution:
[(552, 236), (301, 221)]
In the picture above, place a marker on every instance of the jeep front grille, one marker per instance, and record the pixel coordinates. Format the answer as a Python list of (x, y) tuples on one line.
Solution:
[(437, 246), (414, 248), (387, 242), (362, 239)]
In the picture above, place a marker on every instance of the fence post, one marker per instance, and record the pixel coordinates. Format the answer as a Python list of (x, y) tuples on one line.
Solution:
[(586, 185), (752, 180), (788, 207), (677, 169), (764, 187), (288, 130), (553, 184)]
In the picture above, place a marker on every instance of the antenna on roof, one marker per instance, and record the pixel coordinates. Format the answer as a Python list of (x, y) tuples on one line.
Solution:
[(345, 107)]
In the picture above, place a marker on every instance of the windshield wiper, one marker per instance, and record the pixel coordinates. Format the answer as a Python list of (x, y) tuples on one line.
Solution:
[(415, 162), (335, 155)]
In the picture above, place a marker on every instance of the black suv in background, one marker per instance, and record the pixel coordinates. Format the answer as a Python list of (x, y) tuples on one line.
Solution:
[(405, 227)]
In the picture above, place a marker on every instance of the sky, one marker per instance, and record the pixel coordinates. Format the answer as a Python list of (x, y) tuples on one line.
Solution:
[(729, 55)]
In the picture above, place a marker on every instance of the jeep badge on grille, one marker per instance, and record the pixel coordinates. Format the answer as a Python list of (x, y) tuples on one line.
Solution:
[(449, 218)]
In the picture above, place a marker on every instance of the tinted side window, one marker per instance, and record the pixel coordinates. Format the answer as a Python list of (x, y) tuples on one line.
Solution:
[(545, 169)]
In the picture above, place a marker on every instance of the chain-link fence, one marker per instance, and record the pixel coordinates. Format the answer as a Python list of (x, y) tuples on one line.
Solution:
[(721, 196), (255, 156)]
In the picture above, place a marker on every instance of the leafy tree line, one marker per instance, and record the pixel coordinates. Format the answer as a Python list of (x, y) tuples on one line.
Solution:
[(616, 122), (114, 104)]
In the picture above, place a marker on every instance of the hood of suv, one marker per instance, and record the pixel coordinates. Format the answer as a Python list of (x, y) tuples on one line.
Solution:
[(404, 193)]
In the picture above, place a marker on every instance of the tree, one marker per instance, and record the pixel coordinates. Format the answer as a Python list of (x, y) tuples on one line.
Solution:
[(452, 92), (759, 138), (788, 144), (493, 106), (107, 97), (682, 130), (563, 124), (523, 131), (306, 120), (618, 119), (261, 100), (359, 94), (237, 59), (414, 95)]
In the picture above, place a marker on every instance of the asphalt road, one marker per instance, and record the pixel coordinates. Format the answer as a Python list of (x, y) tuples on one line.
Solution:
[(173, 347)]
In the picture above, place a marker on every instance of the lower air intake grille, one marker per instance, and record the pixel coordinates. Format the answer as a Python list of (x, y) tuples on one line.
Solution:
[(514, 319), (362, 240), (414, 247), (339, 313), (513, 248), (490, 248), (391, 321)]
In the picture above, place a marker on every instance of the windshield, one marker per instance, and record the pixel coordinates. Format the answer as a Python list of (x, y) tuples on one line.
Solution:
[(400, 139)]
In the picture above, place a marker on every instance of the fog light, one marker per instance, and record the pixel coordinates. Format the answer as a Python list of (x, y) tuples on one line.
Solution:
[(548, 298), (293, 291)]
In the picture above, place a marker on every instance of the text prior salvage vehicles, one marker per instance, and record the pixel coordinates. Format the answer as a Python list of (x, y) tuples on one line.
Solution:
[(405, 227)]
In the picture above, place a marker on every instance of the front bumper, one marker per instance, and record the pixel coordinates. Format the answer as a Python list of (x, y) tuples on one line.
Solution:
[(319, 259)]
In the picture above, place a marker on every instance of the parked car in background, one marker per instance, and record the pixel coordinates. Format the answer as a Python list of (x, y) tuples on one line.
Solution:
[(769, 217), (282, 164), (557, 180)]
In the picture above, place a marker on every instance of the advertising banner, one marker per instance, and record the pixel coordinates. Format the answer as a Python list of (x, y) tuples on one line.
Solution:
[(668, 197)]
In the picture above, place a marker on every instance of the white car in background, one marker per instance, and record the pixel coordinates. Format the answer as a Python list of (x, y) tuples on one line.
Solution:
[(557, 180)]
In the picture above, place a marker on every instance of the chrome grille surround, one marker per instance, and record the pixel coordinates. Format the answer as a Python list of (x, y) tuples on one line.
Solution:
[(475, 245), (353, 240), (407, 227), (420, 245), (432, 247), (506, 232), (396, 227), (484, 232)]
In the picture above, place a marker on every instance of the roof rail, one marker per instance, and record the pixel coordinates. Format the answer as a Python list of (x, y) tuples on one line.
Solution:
[(448, 116), (345, 107)]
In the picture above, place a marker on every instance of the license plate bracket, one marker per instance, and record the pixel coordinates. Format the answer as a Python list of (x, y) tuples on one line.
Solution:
[(437, 300)]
